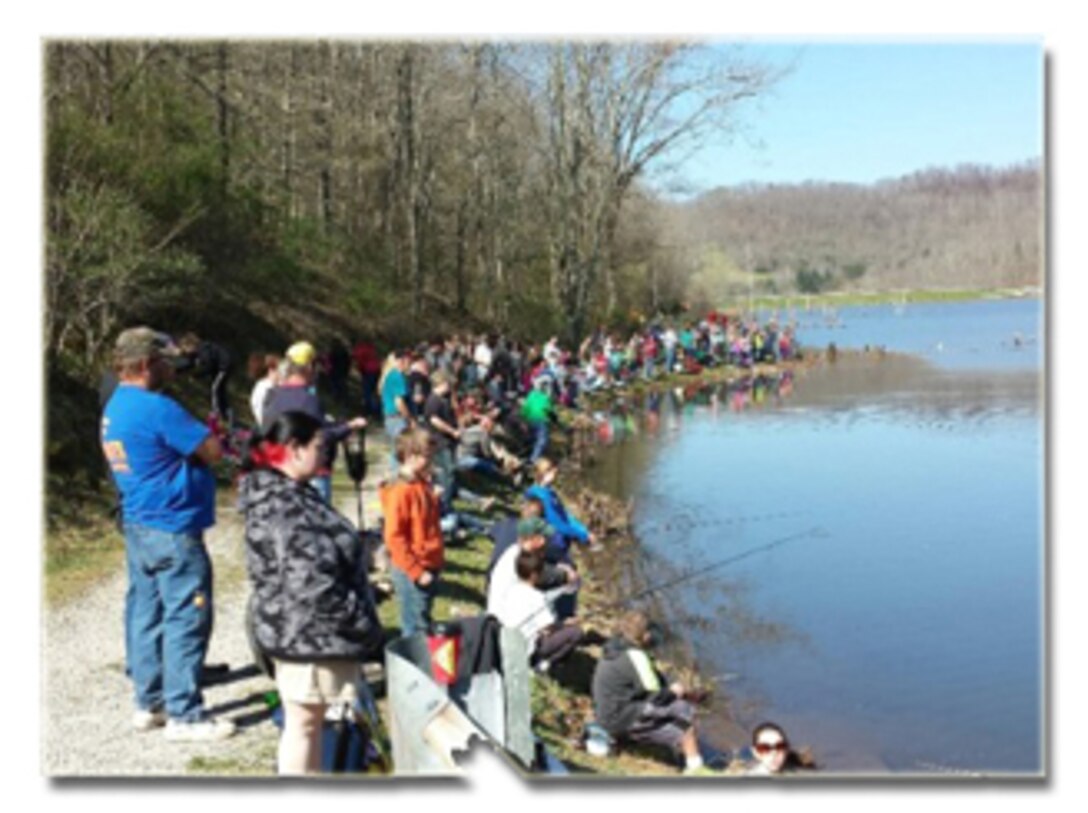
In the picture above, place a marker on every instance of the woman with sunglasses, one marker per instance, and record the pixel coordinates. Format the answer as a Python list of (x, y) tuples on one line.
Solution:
[(772, 752)]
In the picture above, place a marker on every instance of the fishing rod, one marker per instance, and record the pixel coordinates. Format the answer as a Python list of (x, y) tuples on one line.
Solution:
[(815, 532)]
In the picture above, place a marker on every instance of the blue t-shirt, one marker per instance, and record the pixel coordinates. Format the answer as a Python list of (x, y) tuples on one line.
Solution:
[(147, 438), (394, 387)]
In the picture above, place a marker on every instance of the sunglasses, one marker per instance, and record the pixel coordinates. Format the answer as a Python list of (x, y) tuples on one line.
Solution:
[(767, 747)]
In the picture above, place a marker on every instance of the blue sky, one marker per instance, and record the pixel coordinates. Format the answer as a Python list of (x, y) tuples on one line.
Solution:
[(859, 112)]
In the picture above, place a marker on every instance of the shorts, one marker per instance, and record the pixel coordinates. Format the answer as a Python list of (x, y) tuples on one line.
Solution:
[(662, 725), (325, 682)]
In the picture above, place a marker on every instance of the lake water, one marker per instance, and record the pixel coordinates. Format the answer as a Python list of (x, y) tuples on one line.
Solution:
[(1000, 334), (888, 608)]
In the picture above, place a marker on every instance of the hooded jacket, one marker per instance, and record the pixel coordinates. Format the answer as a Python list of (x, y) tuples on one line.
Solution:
[(312, 600), (413, 536), (624, 682)]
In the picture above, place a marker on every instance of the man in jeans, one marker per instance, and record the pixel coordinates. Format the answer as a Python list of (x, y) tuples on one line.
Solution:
[(159, 456)]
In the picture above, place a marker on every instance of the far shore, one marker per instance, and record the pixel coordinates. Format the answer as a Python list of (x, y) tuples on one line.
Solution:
[(897, 297)]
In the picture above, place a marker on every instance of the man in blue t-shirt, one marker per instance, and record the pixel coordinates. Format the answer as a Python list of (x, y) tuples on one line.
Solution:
[(160, 457), (397, 415)]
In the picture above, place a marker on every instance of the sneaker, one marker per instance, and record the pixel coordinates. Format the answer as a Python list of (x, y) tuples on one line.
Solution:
[(147, 719), (206, 730)]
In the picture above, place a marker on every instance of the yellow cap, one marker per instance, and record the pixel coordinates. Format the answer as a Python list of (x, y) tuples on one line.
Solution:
[(301, 353)]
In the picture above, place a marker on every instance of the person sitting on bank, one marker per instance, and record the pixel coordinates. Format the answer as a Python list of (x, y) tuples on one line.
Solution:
[(478, 452), (568, 528), (314, 612), (516, 597), (527, 532), (635, 703)]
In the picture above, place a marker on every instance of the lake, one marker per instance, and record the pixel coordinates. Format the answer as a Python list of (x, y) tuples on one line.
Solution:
[(881, 519)]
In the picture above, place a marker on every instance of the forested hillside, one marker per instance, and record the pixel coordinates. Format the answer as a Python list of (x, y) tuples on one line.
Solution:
[(245, 188), (968, 227)]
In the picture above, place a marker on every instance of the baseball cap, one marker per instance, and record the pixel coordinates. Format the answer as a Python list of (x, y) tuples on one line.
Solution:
[(143, 343), (301, 353)]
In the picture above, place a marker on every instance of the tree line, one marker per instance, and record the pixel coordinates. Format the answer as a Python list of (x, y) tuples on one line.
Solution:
[(962, 227), (237, 183)]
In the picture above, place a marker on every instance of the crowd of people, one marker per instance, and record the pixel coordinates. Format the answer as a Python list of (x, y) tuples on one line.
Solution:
[(457, 410)]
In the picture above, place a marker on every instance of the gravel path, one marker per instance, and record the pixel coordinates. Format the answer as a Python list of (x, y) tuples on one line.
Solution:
[(88, 700)]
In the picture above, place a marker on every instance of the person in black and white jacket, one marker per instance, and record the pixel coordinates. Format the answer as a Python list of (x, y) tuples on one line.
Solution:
[(314, 613)]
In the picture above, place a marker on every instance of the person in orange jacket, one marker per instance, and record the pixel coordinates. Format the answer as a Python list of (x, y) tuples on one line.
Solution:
[(412, 533)]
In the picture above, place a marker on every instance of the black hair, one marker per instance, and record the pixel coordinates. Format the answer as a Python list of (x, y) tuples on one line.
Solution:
[(288, 427), (794, 761), (769, 726)]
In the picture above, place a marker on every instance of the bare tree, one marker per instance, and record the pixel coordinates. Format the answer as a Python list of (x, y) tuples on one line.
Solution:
[(612, 110)]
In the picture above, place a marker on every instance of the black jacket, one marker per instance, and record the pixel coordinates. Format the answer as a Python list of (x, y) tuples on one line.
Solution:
[(306, 564)]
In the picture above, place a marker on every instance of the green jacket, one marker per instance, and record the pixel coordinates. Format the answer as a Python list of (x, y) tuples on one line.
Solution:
[(537, 408)]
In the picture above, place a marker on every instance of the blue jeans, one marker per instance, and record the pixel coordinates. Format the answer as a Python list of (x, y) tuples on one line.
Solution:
[(394, 425), (540, 440), (169, 619), (415, 601), (442, 465), (478, 465)]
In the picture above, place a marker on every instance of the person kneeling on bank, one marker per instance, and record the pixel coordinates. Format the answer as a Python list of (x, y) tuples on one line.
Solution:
[(633, 701)]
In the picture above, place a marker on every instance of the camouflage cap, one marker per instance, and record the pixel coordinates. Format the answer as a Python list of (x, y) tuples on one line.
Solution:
[(143, 343)]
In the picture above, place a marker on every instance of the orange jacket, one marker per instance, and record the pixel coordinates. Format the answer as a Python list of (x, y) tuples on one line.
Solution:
[(412, 533)]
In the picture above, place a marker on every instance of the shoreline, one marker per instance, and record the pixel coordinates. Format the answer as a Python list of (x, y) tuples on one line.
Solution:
[(897, 297), (612, 575)]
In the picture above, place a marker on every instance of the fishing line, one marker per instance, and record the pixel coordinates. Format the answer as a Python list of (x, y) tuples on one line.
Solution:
[(682, 522), (815, 532)]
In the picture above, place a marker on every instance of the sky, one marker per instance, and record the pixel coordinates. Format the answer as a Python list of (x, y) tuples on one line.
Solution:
[(862, 110)]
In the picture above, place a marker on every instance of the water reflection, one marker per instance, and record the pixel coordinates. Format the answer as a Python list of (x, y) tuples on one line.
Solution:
[(889, 644)]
